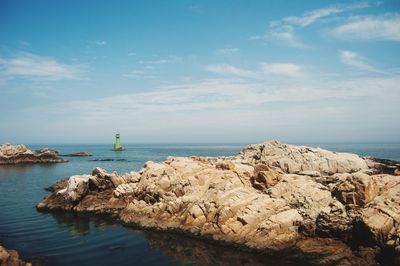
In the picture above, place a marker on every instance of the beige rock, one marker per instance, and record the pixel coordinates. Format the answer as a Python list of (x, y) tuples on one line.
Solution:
[(11, 258), (10, 154), (295, 159), (358, 189), (270, 196), (76, 189)]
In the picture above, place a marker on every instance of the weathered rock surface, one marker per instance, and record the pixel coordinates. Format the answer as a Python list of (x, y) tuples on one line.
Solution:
[(270, 196), (10, 257), (10, 154)]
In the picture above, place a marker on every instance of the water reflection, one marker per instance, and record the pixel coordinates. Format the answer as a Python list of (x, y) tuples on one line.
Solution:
[(15, 169), (80, 225), (190, 251), (183, 249)]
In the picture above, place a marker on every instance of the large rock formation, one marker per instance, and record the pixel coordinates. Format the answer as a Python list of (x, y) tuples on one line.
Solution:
[(11, 258), (10, 154), (270, 196)]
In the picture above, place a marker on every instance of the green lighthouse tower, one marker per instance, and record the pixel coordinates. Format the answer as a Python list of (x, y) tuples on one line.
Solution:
[(117, 144)]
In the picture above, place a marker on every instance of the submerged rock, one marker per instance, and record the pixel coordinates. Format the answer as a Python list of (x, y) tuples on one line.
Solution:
[(270, 196), (10, 257), (77, 154), (19, 154)]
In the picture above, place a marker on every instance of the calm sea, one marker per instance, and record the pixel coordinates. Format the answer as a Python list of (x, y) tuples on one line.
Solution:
[(66, 239)]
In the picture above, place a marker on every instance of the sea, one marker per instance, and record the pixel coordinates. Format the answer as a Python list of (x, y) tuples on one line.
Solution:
[(70, 239)]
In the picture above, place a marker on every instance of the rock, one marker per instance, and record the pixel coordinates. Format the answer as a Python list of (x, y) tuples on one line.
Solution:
[(11, 258), (20, 154), (76, 188), (225, 165), (335, 252), (294, 159), (381, 217), (358, 189), (271, 196), (265, 177), (77, 154), (397, 249)]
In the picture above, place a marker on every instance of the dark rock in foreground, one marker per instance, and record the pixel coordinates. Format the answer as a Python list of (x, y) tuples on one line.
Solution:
[(271, 196), (19, 154), (10, 257)]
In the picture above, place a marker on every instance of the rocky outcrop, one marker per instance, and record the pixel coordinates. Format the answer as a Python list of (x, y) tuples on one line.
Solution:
[(19, 154), (10, 257), (270, 196)]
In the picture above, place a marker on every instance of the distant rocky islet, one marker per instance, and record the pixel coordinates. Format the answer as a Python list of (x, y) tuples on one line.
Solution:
[(20, 154)]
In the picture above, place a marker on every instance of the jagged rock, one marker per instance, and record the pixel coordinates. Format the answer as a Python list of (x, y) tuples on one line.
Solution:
[(10, 257), (382, 215), (76, 188), (294, 159), (265, 176), (270, 196), (10, 154), (358, 189)]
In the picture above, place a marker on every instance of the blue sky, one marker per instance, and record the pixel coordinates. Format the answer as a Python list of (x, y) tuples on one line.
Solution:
[(199, 71)]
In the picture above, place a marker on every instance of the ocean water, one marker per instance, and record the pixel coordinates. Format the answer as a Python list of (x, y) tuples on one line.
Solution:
[(67, 239)]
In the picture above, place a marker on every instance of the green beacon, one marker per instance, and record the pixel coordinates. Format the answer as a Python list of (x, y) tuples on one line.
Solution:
[(117, 144)]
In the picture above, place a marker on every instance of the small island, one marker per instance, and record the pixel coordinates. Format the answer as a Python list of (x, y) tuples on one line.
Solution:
[(269, 197), (20, 154)]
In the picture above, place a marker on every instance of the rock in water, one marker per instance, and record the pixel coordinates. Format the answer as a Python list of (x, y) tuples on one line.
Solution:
[(19, 154), (270, 196), (11, 258), (77, 154)]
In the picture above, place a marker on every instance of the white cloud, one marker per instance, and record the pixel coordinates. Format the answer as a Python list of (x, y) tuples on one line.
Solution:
[(355, 60), (224, 94), (162, 61), (227, 51), (314, 16), (288, 70), (131, 54), (284, 29), (225, 69), (247, 110), (384, 27), (39, 67), (101, 43), (286, 35), (140, 74)]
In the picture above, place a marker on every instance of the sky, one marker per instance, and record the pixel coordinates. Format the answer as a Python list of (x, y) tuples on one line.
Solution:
[(199, 71)]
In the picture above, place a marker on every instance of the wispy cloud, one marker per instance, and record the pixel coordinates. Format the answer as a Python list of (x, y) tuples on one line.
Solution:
[(383, 27), (227, 51), (101, 43), (313, 16), (223, 94), (131, 54), (226, 69), (39, 67), (286, 35), (284, 29), (140, 74), (355, 60), (286, 69)]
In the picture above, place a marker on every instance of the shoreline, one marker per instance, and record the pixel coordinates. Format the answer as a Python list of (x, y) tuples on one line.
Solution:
[(219, 197)]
